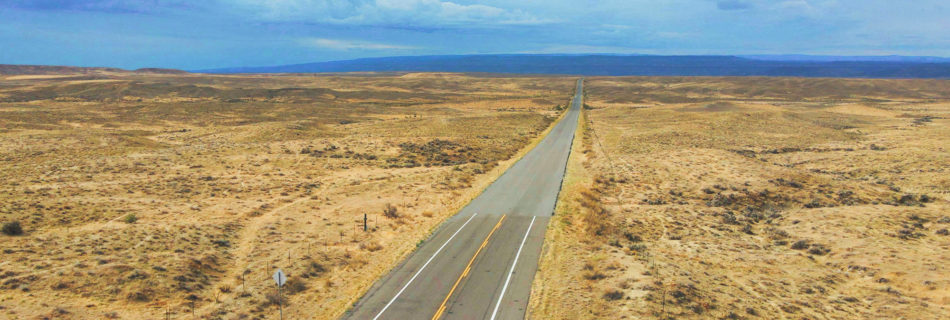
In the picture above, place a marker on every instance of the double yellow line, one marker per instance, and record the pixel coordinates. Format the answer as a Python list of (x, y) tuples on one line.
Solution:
[(438, 314)]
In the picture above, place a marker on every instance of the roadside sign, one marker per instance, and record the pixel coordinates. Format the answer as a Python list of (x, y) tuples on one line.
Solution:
[(280, 278)]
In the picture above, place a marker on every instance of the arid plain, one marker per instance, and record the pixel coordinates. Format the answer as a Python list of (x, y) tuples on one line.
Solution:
[(748, 198), (146, 193)]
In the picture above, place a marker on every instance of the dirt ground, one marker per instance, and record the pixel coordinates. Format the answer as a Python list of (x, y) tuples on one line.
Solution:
[(141, 194), (747, 198)]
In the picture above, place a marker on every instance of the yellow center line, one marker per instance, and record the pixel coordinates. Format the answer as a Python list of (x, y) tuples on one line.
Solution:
[(468, 267)]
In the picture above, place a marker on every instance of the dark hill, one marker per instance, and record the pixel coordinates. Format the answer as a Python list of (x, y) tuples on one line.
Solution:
[(620, 65), (17, 69)]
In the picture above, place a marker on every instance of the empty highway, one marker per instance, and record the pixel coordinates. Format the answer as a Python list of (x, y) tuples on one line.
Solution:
[(480, 263)]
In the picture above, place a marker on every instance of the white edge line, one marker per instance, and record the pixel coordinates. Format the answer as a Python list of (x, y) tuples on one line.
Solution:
[(505, 287), (423, 267)]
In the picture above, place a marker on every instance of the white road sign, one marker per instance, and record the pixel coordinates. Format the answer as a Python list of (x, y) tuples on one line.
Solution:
[(279, 277)]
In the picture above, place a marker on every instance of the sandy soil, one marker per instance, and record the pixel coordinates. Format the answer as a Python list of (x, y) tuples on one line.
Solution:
[(145, 194), (743, 198)]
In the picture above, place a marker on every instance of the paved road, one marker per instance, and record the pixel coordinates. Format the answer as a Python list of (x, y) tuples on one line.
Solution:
[(480, 263)]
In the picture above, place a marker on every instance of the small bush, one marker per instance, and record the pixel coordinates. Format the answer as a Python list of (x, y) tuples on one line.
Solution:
[(314, 269), (144, 295), (729, 218), (632, 237), (613, 295), (390, 211), (747, 229), (818, 249), (60, 285), (594, 275), (813, 204), (271, 298), (775, 233), (130, 218), (12, 228), (908, 233), (372, 246), (294, 286), (800, 245)]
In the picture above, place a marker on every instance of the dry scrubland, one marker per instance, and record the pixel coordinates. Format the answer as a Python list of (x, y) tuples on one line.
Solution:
[(744, 198), (143, 193)]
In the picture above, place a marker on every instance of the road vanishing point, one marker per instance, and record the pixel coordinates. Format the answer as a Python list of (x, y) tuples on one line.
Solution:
[(480, 263)]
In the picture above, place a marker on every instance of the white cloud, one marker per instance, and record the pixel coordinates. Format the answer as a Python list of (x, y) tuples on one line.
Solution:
[(405, 13), (338, 44)]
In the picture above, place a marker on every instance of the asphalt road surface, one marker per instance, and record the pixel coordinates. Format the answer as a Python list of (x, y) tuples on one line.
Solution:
[(480, 263)]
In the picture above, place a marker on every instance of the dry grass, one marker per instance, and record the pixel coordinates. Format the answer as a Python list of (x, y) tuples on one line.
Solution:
[(754, 198), (140, 193)]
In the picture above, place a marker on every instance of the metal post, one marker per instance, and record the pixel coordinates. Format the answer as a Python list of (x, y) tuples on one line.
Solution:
[(663, 310), (364, 222), (280, 305)]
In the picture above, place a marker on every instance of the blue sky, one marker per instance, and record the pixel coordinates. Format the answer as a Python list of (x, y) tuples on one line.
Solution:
[(224, 33)]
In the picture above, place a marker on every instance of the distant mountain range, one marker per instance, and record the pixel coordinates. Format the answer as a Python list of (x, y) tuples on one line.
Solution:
[(589, 64), (22, 69), (629, 65), (804, 57)]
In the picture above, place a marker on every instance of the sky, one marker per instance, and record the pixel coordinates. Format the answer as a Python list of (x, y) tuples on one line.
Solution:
[(201, 34)]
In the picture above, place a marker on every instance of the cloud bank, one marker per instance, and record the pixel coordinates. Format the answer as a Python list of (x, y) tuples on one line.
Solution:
[(386, 12), (269, 32), (338, 44)]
